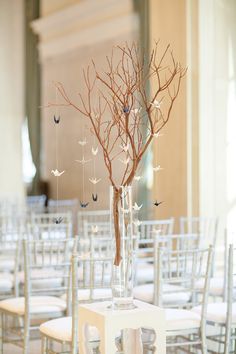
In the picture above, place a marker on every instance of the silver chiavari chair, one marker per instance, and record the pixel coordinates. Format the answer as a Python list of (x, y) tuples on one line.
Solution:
[(175, 275), (45, 260), (221, 316), (96, 280)]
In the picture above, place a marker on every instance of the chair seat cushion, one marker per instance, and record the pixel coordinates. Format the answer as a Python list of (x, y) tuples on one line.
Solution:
[(98, 294), (6, 282), (38, 304), (181, 319), (53, 278), (216, 286), (217, 312), (144, 273), (61, 329), (7, 264), (146, 293)]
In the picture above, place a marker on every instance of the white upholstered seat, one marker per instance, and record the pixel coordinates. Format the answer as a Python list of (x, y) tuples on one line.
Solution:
[(171, 294), (181, 319), (217, 312), (6, 282), (145, 273), (61, 329), (38, 304)]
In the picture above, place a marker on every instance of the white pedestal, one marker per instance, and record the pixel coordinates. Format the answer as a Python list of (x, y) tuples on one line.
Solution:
[(109, 322)]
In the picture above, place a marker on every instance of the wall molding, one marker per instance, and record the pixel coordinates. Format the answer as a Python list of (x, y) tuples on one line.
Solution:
[(84, 24)]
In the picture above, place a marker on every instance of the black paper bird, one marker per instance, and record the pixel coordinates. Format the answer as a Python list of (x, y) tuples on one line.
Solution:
[(95, 197), (56, 120), (83, 205), (58, 220), (126, 109), (157, 203)]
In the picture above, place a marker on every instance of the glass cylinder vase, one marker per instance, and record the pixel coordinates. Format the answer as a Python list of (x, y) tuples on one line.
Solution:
[(121, 212)]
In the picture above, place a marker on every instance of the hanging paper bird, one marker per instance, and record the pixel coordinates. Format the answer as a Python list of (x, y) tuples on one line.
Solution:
[(94, 180), (157, 135), (58, 220), (56, 119), (136, 207), (82, 142), (95, 197), (157, 168), (156, 104), (125, 147), (56, 173), (83, 161), (137, 222), (94, 229), (125, 161), (126, 109), (94, 151), (137, 178), (136, 110), (83, 205), (157, 203)]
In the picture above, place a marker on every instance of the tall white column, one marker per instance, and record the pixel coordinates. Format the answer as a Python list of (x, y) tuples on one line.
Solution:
[(11, 97)]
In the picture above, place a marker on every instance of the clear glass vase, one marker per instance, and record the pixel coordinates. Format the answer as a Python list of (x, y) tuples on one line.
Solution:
[(121, 211)]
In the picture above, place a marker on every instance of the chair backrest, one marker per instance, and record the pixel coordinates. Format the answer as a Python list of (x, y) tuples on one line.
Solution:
[(97, 275), (47, 261), (206, 227), (178, 272), (51, 231), (92, 216), (51, 218), (36, 203), (163, 227), (99, 228)]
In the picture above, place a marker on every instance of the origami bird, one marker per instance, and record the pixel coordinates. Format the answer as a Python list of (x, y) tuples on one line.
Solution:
[(95, 197), (157, 203), (83, 205), (126, 109), (137, 178), (137, 222), (58, 220), (125, 161), (136, 207), (56, 119), (136, 110), (94, 151), (156, 104), (56, 173), (83, 161), (82, 142), (157, 168), (94, 229), (157, 135), (94, 180), (125, 147)]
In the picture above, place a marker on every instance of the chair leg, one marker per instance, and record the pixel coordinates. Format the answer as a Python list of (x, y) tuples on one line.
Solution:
[(26, 335), (44, 345), (204, 342), (227, 339), (1, 332)]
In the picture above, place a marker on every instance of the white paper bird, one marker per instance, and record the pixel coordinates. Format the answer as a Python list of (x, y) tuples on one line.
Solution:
[(156, 104), (125, 211), (137, 178), (136, 207), (125, 161), (94, 229), (136, 110), (56, 173), (83, 161), (94, 151), (82, 142), (125, 147), (157, 135), (94, 180), (137, 222), (157, 168)]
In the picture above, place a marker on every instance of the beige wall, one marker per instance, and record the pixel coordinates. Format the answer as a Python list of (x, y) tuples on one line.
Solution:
[(66, 47), (168, 23), (11, 98)]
